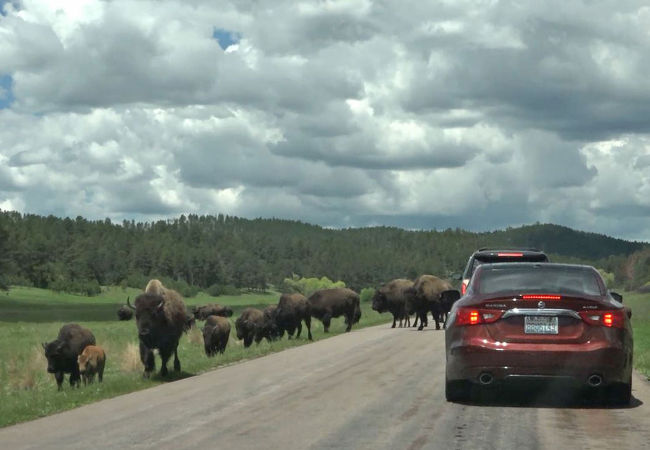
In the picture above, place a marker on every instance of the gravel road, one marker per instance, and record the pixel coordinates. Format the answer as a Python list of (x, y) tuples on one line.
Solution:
[(375, 388)]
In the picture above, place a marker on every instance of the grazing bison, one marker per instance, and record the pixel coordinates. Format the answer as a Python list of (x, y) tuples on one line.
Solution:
[(213, 309), (216, 332), (124, 313), (250, 326), (328, 303), (270, 329), (392, 298), (161, 319), (424, 296), (91, 362), (292, 310), (62, 353)]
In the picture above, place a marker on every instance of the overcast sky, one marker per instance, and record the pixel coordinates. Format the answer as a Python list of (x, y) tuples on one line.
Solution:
[(470, 114)]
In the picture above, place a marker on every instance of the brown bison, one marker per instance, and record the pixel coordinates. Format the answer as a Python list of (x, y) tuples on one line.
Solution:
[(447, 300), (124, 313), (292, 310), (213, 309), (161, 319), (325, 304), (270, 330), (91, 362), (250, 326), (424, 296), (216, 332), (392, 298), (62, 353)]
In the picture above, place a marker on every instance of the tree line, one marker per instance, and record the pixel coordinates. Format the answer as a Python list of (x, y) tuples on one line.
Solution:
[(222, 254)]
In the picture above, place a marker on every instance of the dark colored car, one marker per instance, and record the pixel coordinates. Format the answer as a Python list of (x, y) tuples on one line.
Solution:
[(493, 255), (544, 322)]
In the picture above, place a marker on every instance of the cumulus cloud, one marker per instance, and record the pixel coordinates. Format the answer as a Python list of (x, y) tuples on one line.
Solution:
[(342, 113)]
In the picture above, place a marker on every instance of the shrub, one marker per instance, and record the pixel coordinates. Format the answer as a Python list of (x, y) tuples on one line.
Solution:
[(366, 294)]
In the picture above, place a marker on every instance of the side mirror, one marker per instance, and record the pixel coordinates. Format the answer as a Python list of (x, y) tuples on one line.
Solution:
[(618, 297)]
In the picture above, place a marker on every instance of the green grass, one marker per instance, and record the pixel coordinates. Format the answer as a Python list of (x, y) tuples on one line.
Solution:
[(30, 316), (640, 304)]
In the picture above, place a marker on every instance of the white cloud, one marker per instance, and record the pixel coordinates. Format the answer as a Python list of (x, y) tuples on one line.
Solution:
[(468, 114)]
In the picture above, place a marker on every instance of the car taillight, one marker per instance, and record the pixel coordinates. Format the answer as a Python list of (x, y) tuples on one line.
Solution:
[(541, 297), (475, 316), (610, 319), (463, 287), (510, 255)]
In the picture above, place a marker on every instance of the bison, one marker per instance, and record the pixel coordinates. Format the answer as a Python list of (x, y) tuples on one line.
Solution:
[(424, 296), (161, 319), (392, 298), (270, 329), (216, 332), (213, 309), (91, 362), (325, 304), (250, 326), (62, 353), (124, 313), (447, 300), (292, 310)]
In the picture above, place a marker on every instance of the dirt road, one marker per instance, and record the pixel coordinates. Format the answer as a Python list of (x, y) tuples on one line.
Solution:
[(376, 388)]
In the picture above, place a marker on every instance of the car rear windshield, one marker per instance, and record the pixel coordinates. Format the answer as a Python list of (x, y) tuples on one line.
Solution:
[(540, 278), (487, 259)]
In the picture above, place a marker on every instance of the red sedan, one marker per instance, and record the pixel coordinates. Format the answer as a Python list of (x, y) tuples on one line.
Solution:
[(530, 321)]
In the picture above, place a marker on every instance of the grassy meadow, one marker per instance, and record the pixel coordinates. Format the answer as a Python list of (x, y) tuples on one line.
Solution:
[(640, 304), (29, 316)]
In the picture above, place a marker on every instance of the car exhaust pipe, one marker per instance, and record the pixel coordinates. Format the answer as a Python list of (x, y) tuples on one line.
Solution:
[(485, 378), (594, 380)]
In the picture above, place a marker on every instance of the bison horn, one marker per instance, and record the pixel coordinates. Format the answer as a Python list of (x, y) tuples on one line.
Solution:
[(161, 304), (129, 304)]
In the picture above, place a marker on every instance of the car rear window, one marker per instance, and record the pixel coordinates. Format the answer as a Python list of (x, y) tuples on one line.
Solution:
[(487, 259), (537, 278)]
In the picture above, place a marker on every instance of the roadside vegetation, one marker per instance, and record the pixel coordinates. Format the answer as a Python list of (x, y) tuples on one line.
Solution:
[(30, 316), (640, 304)]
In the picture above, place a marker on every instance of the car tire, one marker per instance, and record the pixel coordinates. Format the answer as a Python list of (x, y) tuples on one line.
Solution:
[(620, 394), (457, 390)]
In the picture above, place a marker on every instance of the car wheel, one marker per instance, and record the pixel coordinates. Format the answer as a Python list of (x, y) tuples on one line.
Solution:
[(457, 391), (620, 394)]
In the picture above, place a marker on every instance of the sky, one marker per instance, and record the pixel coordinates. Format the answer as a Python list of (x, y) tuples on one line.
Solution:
[(343, 113)]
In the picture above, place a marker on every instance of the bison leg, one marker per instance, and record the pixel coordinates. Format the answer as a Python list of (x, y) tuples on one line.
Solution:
[(423, 320), (248, 340), (75, 377), (164, 357), (58, 376), (299, 329), (348, 322), (394, 320), (327, 319), (146, 356), (308, 324), (177, 363), (100, 374)]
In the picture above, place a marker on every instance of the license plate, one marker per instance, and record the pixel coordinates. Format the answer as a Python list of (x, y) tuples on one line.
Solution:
[(540, 325)]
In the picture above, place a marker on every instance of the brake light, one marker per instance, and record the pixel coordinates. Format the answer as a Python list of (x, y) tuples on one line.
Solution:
[(510, 254), (463, 288), (541, 297), (609, 319), (471, 316)]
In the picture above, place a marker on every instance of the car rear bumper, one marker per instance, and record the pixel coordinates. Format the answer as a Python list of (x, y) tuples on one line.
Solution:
[(576, 362)]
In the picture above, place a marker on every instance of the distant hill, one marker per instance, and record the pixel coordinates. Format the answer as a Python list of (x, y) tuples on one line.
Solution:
[(219, 251)]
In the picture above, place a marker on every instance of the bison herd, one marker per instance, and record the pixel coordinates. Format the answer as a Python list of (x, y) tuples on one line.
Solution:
[(161, 318)]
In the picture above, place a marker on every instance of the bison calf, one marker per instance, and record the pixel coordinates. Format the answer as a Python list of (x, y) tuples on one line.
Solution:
[(215, 335), (91, 362), (62, 353)]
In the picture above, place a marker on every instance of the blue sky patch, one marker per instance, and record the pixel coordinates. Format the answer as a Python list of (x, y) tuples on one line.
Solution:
[(226, 38), (6, 91)]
